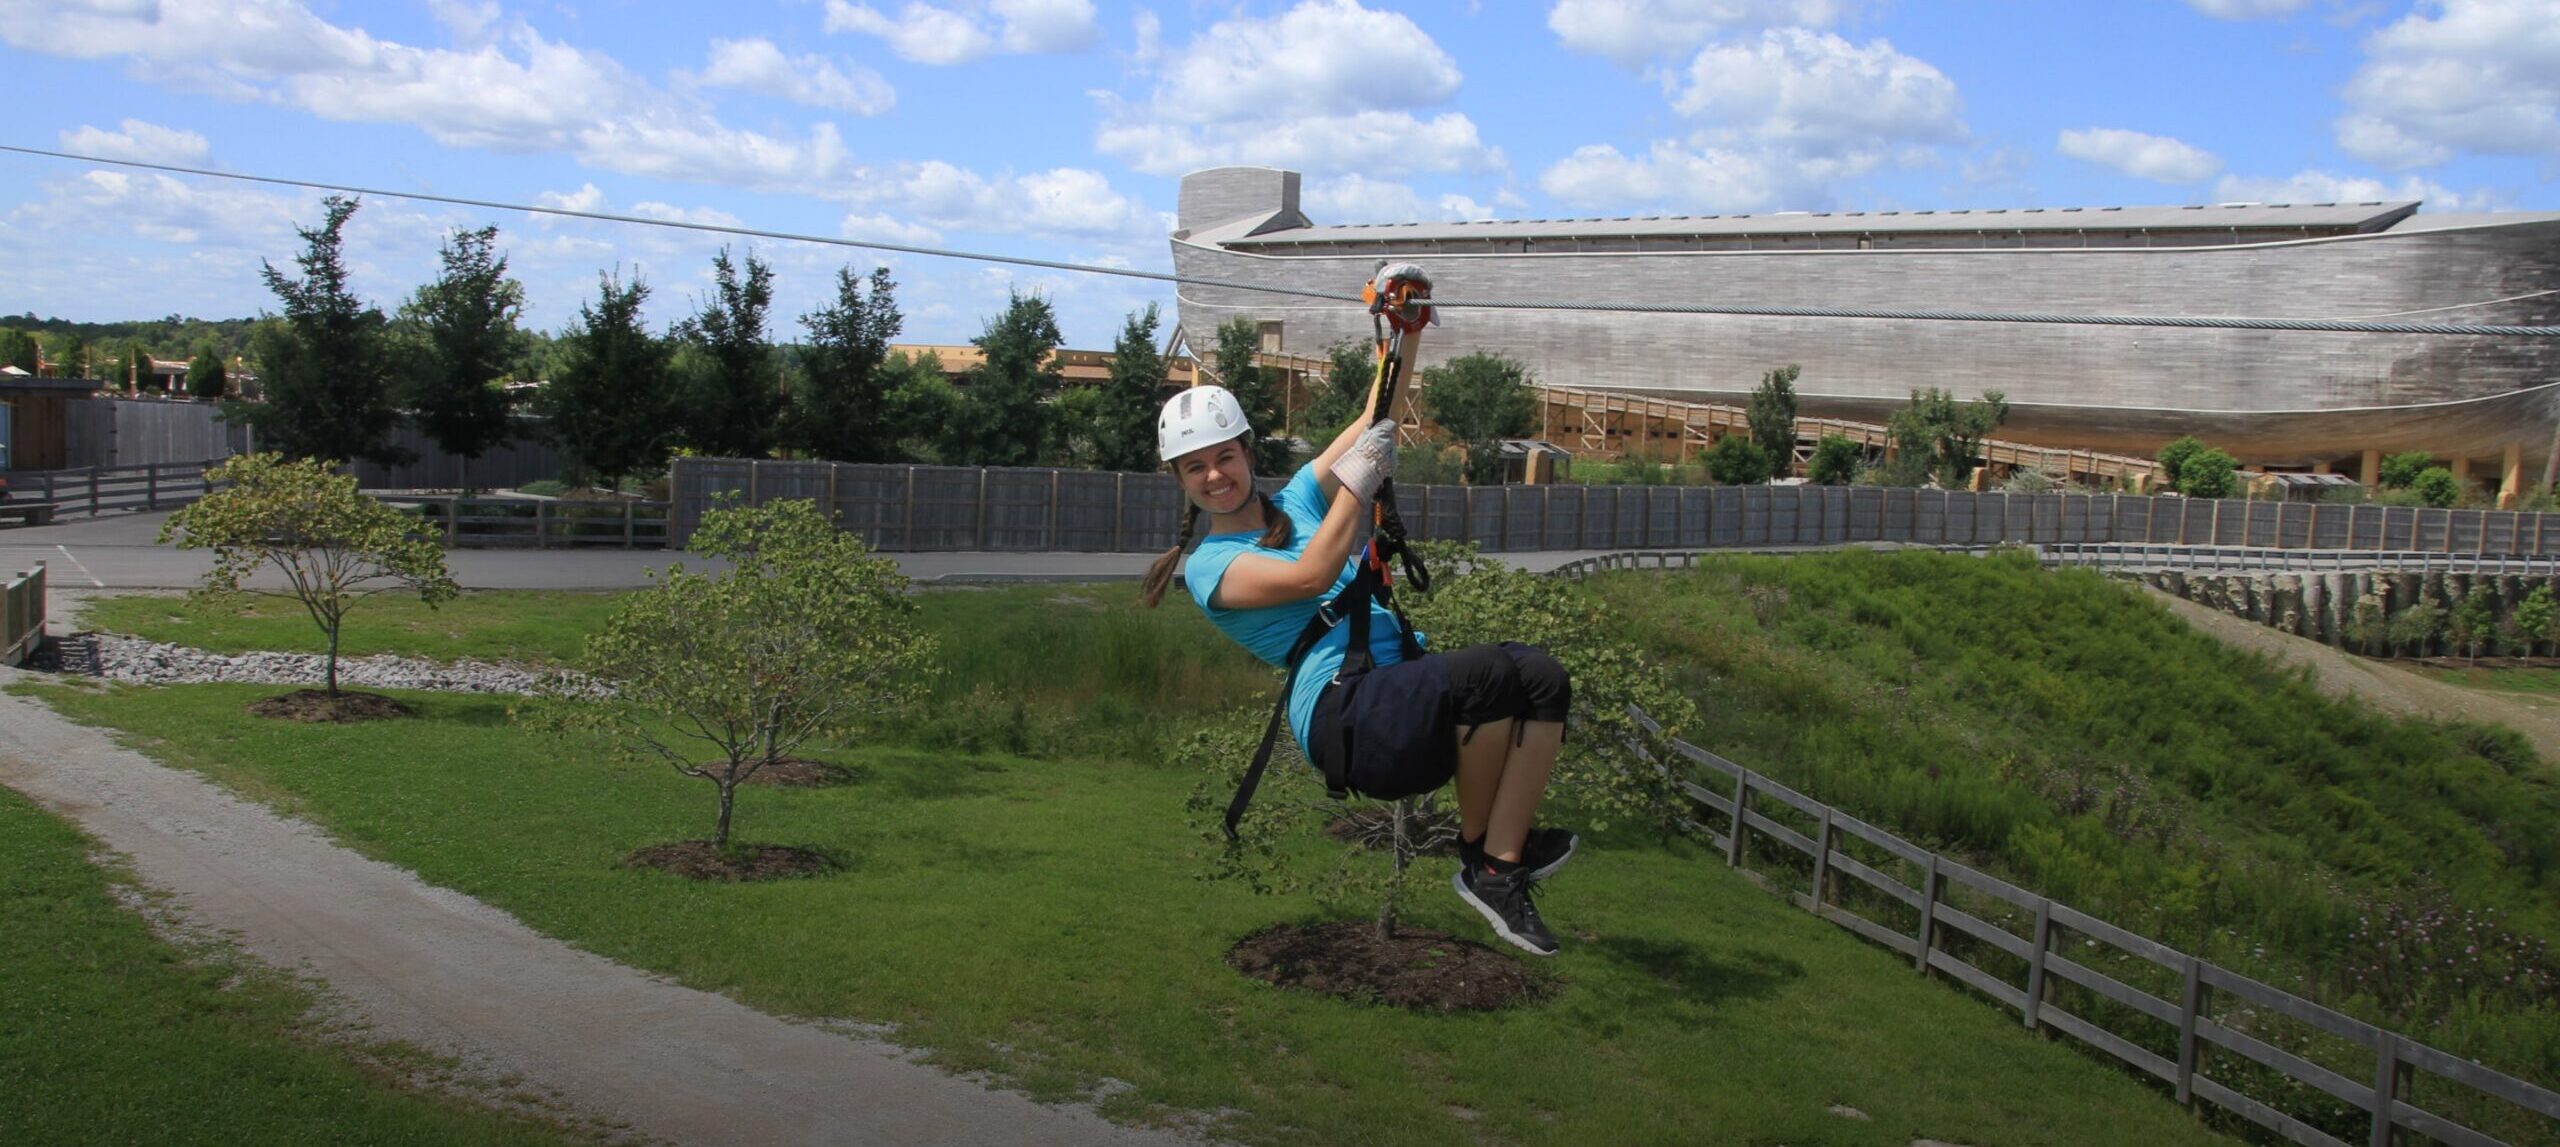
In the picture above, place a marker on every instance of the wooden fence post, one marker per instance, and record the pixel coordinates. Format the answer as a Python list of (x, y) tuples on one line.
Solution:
[(2036, 985), (542, 523), (452, 520), (1119, 505), (93, 491), (1741, 810), (1822, 875), (982, 508), (1054, 481), (151, 486), (2191, 1008), (2386, 1084), (1929, 909), (907, 531), (629, 507)]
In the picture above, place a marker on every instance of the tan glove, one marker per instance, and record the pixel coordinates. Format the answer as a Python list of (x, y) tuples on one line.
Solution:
[(1369, 461)]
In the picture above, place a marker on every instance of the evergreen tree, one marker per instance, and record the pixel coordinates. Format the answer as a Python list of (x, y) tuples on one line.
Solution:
[(921, 408), (1124, 432), (324, 369), (205, 377), (73, 360), (1772, 415), (460, 339), (729, 397), (839, 409), (1481, 399), (1001, 422), (19, 349), (1239, 340), (608, 402)]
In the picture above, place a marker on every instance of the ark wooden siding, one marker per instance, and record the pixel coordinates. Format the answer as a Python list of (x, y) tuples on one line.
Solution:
[(2104, 387)]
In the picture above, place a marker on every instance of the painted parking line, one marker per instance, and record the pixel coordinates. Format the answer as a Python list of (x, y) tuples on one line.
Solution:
[(84, 570)]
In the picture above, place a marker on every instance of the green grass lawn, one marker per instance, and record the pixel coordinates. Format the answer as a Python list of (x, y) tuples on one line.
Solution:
[(110, 1035), (1041, 919), (2541, 686), (511, 625)]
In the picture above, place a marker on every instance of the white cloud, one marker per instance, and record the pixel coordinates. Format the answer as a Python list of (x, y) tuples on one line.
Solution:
[(885, 229), (1634, 31), (2478, 76), (944, 35), (164, 209), (1326, 86), (1356, 198), (760, 67), (2246, 9), (670, 213), (1062, 202), (2140, 155), (517, 92), (147, 142), (1816, 91), (1674, 178), (469, 21), (587, 197), (2324, 187), (1147, 38)]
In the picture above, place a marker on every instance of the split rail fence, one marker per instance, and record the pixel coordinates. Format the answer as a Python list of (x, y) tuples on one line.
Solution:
[(538, 523), (100, 489), (916, 508), (2383, 1095), (21, 615)]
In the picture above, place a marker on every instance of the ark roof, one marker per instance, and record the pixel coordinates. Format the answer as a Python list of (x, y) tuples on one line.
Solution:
[(2328, 218)]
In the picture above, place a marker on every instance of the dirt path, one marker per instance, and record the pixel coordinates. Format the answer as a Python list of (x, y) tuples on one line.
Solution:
[(2392, 689), (446, 972)]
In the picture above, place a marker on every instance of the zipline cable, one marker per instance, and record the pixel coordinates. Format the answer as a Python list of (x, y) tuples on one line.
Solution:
[(2192, 322)]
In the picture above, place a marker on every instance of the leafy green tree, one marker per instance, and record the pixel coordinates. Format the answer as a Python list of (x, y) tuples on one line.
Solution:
[(2400, 471), (1256, 389), (1946, 433), (73, 360), (727, 395), (806, 635), (2534, 617), (1124, 415), (1772, 416), (839, 409), (206, 378), (332, 546), (1835, 461), (1075, 420), (1480, 399), (2474, 619), (2208, 473), (923, 408), (324, 369), (458, 338), (2366, 624), (1735, 460), (2416, 628), (2173, 458), (2437, 487), (1002, 421), (1350, 366), (19, 349), (608, 401)]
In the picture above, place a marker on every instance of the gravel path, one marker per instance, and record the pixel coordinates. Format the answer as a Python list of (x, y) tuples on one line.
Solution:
[(446, 972), (135, 661)]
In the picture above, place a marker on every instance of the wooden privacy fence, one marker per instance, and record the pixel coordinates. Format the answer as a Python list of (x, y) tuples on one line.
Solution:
[(2383, 1094), (21, 615), (536, 522), (98, 489), (908, 508)]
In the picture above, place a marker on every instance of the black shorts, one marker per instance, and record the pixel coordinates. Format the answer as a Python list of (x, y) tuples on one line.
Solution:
[(1392, 732)]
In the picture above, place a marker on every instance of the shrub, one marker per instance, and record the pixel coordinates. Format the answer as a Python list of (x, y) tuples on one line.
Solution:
[(1737, 461), (2401, 471), (1835, 461), (2208, 473), (2437, 487)]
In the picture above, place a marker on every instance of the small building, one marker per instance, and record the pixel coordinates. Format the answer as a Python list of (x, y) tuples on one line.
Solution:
[(2290, 487), (1535, 461)]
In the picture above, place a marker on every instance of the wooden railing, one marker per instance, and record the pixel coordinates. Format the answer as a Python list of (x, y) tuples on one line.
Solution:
[(2382, 1094), (99, 489), (21, 615), (537, 523)]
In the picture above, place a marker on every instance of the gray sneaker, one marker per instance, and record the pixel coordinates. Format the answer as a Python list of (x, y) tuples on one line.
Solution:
[(1505, 902)]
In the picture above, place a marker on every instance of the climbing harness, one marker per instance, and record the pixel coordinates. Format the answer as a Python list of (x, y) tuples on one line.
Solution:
[(1398, 311)]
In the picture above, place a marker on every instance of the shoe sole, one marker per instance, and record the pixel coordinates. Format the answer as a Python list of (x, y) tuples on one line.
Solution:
[(1549, 868), (1459, 882)]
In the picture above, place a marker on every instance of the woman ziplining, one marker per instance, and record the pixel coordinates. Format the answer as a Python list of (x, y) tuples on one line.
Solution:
[(1298, 580)]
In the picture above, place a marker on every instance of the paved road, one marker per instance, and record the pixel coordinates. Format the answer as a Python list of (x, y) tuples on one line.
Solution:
[(119, 551)]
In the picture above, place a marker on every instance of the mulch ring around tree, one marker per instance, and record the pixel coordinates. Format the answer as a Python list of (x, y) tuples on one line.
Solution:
[(320, 705), (738, 863), (1418, 969), (1373, 827), (794, 773)]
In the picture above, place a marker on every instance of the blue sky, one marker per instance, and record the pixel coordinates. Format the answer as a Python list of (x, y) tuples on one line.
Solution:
[(1060, 128)]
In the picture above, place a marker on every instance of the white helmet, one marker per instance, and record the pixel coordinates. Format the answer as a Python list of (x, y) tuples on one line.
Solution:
[(1200, 416)]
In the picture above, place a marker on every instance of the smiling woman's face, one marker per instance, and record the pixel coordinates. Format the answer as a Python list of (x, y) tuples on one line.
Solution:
[(1217, 478)]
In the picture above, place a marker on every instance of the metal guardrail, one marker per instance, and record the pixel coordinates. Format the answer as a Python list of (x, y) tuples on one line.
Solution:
[(2240, 559), (21, 615), (2382, 1094)]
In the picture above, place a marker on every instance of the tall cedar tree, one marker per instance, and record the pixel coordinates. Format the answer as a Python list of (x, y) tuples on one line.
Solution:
[(206, 377), (1257, 390), (608, 402), (18, 349), (1124, 433), (1481, 399), (839, 411), (1772, 415), (1008, 424), (731, 400), (325, 369), (461, 338)]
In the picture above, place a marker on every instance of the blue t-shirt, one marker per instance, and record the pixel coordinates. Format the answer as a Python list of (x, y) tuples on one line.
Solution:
[(1270, 631)]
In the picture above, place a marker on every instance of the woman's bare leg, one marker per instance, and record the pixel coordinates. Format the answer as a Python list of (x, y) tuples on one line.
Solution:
[(1525, 769), (1482, 751)]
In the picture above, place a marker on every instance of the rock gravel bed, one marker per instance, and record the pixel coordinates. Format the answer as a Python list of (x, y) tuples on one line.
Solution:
[(138, 662)]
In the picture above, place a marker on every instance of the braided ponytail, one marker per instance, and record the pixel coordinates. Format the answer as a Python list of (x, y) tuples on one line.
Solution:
[(1160, 574), (1276, 532)]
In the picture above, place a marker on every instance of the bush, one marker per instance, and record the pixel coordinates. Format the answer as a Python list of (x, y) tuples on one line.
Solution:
[(2208, 473), (1737, 461), (2437, 487), (2400, 471), (1835, 461), (2173, 458)]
